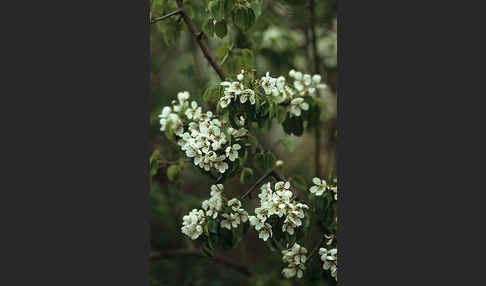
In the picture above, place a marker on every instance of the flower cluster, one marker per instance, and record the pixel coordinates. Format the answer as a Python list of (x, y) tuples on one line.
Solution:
[(214, 204), (203, 137), (193, 223), (320, 186), (281, 92), (278, 203), (277, 89), (329, 260), (295, 257), (236, 89), (233, 219)]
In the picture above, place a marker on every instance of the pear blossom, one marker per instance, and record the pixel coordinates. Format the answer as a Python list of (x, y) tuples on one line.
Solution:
[(295, 257), (319, 188), (232, 152), (329, 260), (268, 83), (298, 104), (192, 224)]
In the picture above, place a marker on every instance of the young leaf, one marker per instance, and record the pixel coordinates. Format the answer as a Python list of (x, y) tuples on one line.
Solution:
[(208, 28), (216, 8), (246, 176), (241, 18), (288, 144), (265, 161), (299, 183), (221, 29), (173, 172)]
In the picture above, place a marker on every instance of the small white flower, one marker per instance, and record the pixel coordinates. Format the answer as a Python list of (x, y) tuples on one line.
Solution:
[(240, 121), (316, 78), (319, 188), (216, 190), (225, 101), (298, 104), (235, 204), (268, 83), (240, 77), (232, 152), (220, 164), (265, 232), (247, 94)]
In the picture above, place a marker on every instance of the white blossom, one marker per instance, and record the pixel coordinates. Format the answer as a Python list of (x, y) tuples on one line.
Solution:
[(192, 224), (298, 104), (329, 260), (268, 83), (295, 257), (319, 188), (232, 152)]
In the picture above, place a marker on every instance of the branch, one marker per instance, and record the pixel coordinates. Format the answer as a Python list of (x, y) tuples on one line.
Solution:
[(186, 252), (254, 186), (198, 37), (166, 16), (314, 251)]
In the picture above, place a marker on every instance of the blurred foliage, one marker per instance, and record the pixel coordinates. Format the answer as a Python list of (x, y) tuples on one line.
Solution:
[(268, 35)]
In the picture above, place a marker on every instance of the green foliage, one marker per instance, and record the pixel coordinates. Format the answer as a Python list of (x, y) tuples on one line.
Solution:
[(289, 145), (265, 161), (173, 172), (220, 28), (246, 176)]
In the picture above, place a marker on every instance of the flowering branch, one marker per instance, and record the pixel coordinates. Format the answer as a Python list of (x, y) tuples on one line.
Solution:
[(166, 16), (254, 186), (198, 37), (186, 252)]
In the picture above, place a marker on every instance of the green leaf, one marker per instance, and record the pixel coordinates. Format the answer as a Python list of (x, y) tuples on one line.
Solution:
[(265, 161), (281, 114), (173, 172), (246, 176), (299, 183), (256, 7), (208, 28), (253, 142), (216, 8), (154, 155), (221, 29), (241, 18), (229, 5), (288, 144)]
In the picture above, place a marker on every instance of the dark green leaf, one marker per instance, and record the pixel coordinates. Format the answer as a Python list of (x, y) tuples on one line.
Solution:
[(221, 29)]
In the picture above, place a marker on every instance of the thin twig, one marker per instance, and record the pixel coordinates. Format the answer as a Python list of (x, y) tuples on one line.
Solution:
[(187, 252), (314, 251), (166, 16), (198, 37), (254, 186)]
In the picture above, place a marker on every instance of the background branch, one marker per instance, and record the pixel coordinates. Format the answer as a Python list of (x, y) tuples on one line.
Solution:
[(198, 37), (165, 16), (188, 252)]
